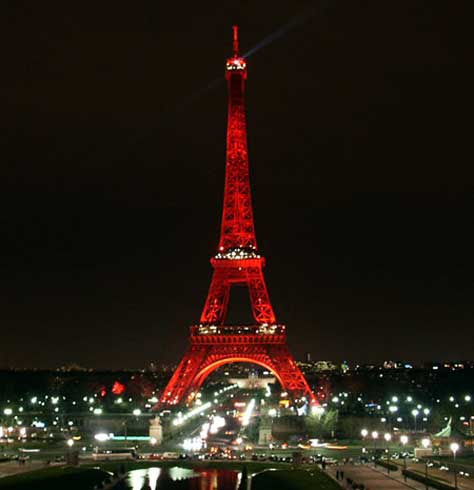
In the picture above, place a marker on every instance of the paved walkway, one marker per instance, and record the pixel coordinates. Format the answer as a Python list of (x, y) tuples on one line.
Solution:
[(447, 476), (374, 479), (13, 467)]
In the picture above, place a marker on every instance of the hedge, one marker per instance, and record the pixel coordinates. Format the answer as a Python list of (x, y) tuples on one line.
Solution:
[(386, 464), (427, 481)]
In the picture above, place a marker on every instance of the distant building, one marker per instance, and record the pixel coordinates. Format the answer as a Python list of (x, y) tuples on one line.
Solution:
[(325, 366), (252, 381)]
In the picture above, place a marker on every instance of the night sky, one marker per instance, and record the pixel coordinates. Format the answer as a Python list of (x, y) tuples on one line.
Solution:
[(112, 153)]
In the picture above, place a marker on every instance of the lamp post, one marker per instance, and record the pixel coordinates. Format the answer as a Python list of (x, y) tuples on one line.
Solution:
[(69, 458), (454, 446), (364, 433), (415, 413), (375, 435), (426, 412), (425, 443), (393, 409), (404, 440), (388, 438)]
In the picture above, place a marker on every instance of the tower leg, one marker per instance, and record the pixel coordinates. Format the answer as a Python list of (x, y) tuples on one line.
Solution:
[(292, 378), (184, 375), (259, 298), (217, 299)]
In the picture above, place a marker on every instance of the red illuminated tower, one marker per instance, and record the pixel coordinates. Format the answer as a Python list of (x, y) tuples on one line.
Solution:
[(237, 262)]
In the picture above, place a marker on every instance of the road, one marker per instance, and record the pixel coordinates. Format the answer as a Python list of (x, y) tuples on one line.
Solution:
[(13, 467)]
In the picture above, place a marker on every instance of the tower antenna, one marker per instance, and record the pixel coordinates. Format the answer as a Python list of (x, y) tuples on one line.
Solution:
[(236, 40)]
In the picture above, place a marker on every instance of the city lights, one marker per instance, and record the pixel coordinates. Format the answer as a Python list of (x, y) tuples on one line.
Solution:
[(248, 412), (317, 410), (101, 437), (217, 422), (181, 419), (193, 444)]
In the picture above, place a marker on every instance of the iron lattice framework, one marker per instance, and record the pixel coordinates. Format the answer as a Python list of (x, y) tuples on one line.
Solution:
[(237, 262)]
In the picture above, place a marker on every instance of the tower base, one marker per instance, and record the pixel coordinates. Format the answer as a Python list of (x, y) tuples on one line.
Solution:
[(213, 346)]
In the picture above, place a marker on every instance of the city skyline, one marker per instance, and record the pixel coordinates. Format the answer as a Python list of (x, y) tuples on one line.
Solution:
[(115, 156)]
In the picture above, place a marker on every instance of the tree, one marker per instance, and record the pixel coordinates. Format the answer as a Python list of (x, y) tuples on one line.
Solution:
[(322, 425)]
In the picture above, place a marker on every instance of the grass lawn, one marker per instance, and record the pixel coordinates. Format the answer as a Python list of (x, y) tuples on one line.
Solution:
[(57, 478), (293, 480)]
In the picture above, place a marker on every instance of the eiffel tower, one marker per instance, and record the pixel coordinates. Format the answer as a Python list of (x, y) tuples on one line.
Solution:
[(237, 262)]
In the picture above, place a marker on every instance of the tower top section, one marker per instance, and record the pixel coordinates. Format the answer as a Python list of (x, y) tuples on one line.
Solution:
[(237, 229), (236, 62)]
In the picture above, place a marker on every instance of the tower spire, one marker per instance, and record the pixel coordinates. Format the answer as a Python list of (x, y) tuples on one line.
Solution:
[(236, 40)]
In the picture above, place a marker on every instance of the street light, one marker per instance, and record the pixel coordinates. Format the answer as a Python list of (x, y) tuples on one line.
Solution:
[(415, 414), (425, 442), (375, 435), (388, 438), (404, 440), (364, 433), (426, 411), (454, 446)]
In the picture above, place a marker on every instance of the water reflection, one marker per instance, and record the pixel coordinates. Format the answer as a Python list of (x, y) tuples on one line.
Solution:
[(177, 478)]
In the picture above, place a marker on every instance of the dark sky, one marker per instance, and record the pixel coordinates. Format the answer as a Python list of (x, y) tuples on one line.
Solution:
[(112, 171)]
